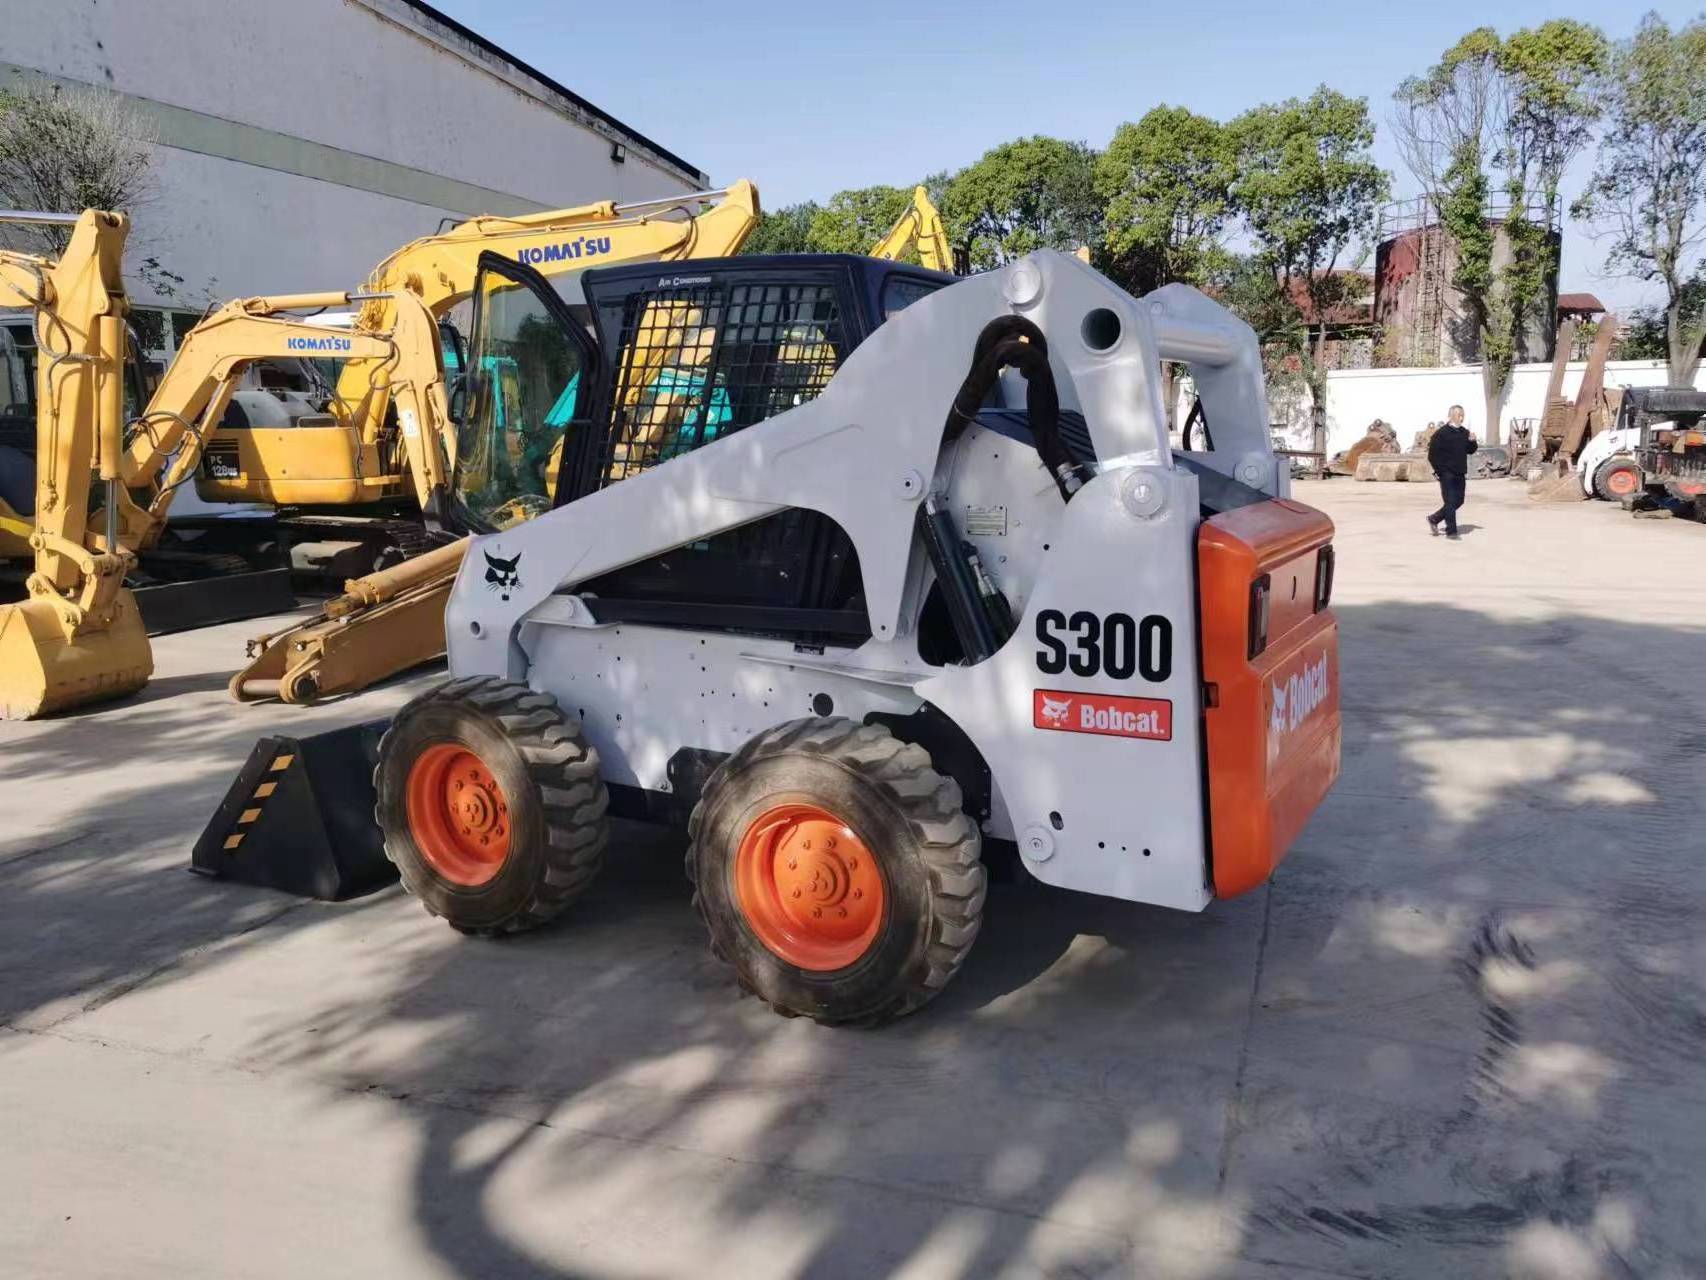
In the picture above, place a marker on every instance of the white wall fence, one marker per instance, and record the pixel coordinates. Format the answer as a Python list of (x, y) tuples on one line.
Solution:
[(1409, 399)]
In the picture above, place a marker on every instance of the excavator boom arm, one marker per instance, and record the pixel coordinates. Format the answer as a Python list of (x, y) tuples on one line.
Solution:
[(79, 636), (920, 225), (440, 269)]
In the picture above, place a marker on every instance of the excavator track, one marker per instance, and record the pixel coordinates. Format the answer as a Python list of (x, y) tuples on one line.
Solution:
[(328, 550)]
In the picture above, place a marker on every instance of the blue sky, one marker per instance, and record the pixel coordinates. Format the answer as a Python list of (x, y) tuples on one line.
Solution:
[(808, 98)]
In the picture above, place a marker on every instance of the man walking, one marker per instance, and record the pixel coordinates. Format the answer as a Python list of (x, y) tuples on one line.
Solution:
[(1448, 454)]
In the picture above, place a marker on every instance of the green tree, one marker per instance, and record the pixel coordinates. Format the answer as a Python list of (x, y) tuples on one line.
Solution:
[(1309, 187), (1165, 185), (1504, 115), (784, 230), (852, 221), (1555, 74), (1642, 336), (64, 151), (1032, 193), (1256, 292), (1648, 190)]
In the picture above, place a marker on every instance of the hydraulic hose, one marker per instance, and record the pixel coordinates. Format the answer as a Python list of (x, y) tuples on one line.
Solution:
[(1014, 342), (981, 617)]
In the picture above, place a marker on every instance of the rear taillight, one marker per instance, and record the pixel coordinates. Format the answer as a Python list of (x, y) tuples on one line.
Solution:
[(1259, 592), (1323, 578)]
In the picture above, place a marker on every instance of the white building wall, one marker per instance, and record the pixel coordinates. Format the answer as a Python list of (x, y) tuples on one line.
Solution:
[(1409, 399), (302, 142)]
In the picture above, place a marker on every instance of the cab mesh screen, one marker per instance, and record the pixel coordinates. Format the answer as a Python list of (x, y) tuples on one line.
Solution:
[(698, 362)]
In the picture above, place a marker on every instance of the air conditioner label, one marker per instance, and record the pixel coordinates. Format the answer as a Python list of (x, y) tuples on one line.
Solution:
[(1102, 713)]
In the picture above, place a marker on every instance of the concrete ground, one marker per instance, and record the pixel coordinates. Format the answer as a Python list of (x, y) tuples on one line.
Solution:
[(1460, 1034)]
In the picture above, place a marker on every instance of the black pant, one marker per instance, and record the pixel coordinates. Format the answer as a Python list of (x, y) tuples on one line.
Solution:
[(1451, 496)]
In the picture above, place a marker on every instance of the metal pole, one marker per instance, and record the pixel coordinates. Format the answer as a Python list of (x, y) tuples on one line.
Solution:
[(32, 215), (666, 202)]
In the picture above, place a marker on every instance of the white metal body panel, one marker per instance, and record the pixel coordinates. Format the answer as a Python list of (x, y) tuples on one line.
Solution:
[(1083, 806), (642, 693), (1107, 814)]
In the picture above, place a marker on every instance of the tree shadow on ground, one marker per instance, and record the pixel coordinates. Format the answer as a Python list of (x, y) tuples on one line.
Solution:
[(1458, 1035)]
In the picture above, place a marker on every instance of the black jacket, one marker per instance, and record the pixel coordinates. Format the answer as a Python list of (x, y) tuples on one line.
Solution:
[(1449, 450)]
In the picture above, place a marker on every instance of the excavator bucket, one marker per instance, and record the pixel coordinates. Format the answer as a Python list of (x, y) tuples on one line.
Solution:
[(46, 666), (299, 818)]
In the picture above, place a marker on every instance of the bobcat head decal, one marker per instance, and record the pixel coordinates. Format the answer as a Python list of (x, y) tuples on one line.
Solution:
[(503, 576), (1055, 709)]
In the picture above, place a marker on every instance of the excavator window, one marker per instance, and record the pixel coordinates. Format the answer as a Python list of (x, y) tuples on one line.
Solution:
[(527, 381)]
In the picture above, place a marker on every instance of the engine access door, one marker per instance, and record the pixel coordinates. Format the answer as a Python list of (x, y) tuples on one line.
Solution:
[(1270, 648)]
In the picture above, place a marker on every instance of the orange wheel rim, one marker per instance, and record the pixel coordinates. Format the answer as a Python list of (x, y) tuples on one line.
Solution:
[(808, 886), (458, 814), (1621, 482)]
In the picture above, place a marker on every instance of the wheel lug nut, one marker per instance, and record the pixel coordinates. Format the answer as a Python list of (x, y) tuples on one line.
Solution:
[(792, 864), (842, 912), (796, 893), (817, 913), (857, 894)]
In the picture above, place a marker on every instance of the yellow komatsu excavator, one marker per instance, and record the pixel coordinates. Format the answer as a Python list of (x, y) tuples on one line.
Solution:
[(389, 620), (166, 442), (921, 226), (78, 636), (356, 467), (384, 437)]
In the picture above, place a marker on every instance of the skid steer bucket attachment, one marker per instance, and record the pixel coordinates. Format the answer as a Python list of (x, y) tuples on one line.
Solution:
[(48, 665), (169, 607), (1555, 481), (299, 818)]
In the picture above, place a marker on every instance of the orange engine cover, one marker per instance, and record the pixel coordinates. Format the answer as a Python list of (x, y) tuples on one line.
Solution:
[(1271, 700)]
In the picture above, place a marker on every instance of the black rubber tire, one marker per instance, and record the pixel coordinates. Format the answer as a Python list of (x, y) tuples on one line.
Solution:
[(1602, 477), (549, 775), (908, 815)]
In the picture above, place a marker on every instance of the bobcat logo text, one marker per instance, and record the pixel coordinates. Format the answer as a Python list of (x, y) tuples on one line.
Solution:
[(1102, 713), (1301, 693)]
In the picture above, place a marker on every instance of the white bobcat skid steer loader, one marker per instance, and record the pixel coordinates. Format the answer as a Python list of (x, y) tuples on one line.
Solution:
[(921, 611)]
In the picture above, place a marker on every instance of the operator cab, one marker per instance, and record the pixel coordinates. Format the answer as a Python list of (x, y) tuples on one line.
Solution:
[(680, 354)]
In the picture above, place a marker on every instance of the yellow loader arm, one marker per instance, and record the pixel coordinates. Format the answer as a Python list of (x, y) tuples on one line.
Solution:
[(440, 269), (79, 636), (166, 441), (920, 225)]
